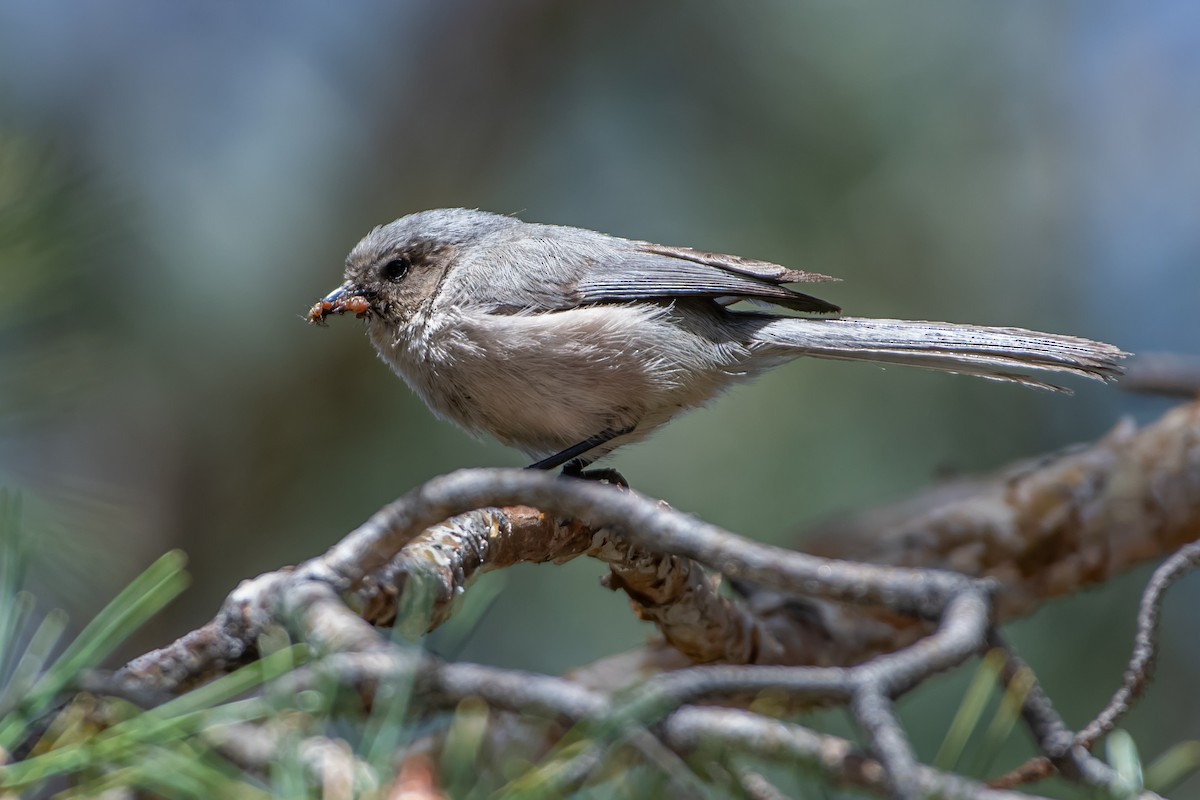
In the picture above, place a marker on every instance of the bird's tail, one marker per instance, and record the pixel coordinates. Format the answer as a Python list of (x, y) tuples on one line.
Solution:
[(993, 353)]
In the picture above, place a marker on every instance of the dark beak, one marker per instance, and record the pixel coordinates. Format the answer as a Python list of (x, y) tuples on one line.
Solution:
[(339, 294), (346, 297)]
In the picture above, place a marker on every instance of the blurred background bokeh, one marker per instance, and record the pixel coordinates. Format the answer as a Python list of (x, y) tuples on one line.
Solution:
[(180, 181)]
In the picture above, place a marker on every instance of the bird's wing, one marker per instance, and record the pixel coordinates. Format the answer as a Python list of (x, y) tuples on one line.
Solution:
[(545, 267), (647, 271)]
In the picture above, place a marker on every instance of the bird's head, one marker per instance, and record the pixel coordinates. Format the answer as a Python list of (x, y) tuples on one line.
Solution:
[(398, 266)]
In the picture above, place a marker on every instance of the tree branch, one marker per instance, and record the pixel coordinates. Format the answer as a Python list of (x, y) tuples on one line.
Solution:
[(1038, 530)]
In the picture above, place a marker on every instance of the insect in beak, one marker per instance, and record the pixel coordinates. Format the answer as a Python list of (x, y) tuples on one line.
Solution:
[(342, 299)]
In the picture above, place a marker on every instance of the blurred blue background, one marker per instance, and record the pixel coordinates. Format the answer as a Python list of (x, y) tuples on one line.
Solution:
[(179, 182)]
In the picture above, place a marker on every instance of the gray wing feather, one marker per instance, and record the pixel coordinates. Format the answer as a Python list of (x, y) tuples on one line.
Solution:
[(549, 267), (746, 266), (653, 271)]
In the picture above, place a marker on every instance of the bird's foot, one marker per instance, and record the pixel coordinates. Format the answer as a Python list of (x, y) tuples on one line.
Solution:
[(574, 469)]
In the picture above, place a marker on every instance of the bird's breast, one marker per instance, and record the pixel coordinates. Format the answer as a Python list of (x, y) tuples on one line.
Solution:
[(542, 382)]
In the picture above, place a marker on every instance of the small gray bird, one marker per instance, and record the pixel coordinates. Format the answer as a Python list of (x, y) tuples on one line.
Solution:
[(567, 343)]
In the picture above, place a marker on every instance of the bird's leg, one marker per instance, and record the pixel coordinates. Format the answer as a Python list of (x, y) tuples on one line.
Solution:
[(572, 459)]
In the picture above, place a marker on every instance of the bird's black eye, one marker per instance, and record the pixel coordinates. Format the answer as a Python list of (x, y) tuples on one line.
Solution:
[(395, 269)]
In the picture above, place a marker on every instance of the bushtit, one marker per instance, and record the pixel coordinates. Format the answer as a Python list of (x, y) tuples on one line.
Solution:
[(567, 343)]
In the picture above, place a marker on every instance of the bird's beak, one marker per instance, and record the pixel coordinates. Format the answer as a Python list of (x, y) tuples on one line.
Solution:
[(346, 297)]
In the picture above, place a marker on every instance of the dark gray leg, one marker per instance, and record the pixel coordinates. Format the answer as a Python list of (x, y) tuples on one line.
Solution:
[(572, 459)]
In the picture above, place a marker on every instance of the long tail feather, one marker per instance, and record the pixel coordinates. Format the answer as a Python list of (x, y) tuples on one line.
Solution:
[(986, 352)]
